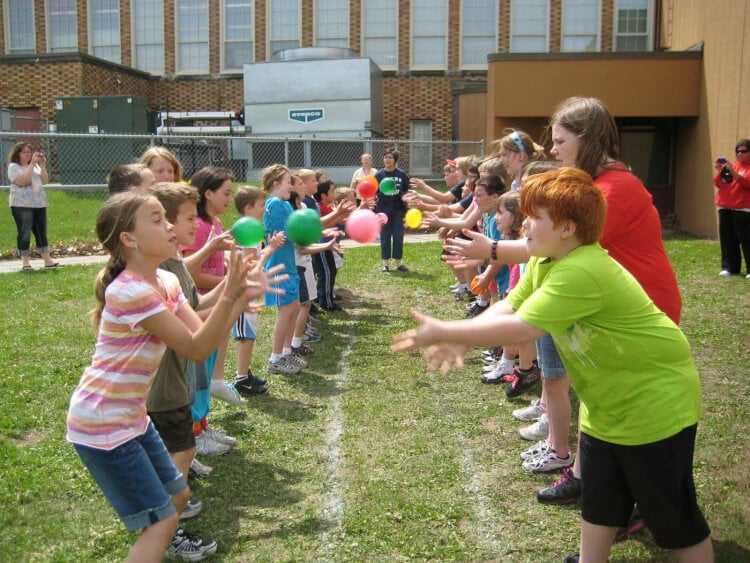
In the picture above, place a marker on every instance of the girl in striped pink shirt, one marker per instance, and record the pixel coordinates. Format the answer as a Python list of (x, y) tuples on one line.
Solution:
[(141, 311)]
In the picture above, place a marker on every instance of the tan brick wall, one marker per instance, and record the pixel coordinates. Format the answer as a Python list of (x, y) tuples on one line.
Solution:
[(417, 97), (260, 30)]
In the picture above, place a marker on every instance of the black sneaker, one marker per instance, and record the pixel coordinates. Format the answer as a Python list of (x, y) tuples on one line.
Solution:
[(565, 490), (476, 309), (634, 525), (571, 559), (521, 380), (189, 547), (249, 386)]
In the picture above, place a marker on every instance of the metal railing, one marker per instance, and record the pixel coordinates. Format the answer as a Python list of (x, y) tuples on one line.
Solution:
[(81, 162)]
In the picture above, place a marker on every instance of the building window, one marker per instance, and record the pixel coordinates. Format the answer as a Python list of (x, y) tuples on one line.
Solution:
[(284, 25), (633, 25), (529, 25), (429, 33), (420, 154), (380, 31), (192, 35), (580, 25), (332, 23), (62, 26), (478, 32), (20, 17), (105, 29), (239, 34), (148, 35)]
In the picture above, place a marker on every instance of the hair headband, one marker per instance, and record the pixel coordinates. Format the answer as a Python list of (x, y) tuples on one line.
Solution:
[(516, 138)]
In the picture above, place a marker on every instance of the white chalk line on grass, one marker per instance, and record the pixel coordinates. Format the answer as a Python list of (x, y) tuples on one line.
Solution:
[(333, 497), (486, 531)]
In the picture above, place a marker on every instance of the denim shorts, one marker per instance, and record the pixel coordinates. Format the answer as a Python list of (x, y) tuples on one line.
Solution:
[(138, 478), (549, 359)]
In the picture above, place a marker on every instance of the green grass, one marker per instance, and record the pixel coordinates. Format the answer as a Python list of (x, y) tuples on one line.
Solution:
[(363, 457)]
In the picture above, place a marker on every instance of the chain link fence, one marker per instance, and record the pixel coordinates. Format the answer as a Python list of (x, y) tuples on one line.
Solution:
[(80, 162)]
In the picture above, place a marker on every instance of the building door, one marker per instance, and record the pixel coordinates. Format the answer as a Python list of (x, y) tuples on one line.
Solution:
[(420, 155)]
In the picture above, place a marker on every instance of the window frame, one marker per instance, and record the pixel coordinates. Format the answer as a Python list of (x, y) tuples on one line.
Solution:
[(412, 36), (649, 27), (9, 35), (598, 32), (512, 35), (225, 41), (269, 27), (134, 46), (364, 37), (178, 43), (477, 66), (92, 44), (347, 5), (70, 48)]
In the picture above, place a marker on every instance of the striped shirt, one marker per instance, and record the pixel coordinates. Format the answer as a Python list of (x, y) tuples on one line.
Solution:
[(108, 407)]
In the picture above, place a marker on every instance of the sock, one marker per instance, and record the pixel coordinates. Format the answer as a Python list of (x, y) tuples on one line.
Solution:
[(566, 456), (238, 377), (482, 302), (506, 365), (296, 342), (286, 351), (276, 357), (575, 473)]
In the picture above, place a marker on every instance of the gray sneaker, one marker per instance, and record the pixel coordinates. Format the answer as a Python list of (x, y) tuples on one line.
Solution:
[(530, 413), (296, 360), (189, 547), (192, 509), (283, 365), (204, 445)]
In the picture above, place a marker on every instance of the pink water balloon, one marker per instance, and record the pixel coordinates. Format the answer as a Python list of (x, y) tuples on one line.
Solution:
[(363, 225)]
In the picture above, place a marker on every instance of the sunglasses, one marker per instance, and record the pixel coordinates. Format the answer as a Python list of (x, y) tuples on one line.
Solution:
[(741, 151)]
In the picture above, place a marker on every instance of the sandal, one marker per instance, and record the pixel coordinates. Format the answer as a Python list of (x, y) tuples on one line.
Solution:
[(53, 265), (27, 268)]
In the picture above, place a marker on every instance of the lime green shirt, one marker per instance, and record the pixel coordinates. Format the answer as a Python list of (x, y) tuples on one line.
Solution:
[(629, 363)]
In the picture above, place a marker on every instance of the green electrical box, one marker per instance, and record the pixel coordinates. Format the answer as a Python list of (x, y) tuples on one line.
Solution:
[(88, 160)]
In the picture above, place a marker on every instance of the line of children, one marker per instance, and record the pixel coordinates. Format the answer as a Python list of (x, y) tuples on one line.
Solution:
[(635, 445)]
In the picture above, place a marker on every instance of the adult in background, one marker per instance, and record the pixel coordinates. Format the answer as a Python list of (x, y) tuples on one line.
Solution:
[(733, 202), (365, 170), (27, 172), (394, 206)]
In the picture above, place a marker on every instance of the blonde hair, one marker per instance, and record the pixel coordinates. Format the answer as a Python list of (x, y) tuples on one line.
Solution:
[(160, 152), (273, 174), (247, 195)]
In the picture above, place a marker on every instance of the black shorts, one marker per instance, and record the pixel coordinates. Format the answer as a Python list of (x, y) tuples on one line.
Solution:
[(175, 428), (657, 476), (304, 294)]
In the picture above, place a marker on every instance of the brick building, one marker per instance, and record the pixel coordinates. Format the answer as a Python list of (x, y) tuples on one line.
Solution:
[(452, 69)]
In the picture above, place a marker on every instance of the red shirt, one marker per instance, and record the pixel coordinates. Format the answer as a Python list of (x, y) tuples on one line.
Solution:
[(632, 236), (737, 194)]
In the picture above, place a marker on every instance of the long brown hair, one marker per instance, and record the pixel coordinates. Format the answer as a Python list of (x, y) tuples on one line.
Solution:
[(15, 152), (115, 217), (590, 120)]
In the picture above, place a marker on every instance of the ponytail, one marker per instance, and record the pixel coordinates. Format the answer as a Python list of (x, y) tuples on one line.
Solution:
[(106, 276)]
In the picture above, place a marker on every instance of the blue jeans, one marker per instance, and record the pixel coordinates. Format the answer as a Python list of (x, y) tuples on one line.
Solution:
[(393, 230), (138, 478), (30, 220)]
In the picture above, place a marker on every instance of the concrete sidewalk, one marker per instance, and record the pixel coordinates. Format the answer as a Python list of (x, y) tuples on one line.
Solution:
[(14, 265)]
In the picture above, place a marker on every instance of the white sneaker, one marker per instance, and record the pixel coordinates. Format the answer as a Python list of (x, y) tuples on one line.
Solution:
[(204, 445), (725, 273), (283, 365), (532, 412), (547, 462), (192, 509), (537, 431), (541, 447), (226, 392), (220, 436), (200, 469)]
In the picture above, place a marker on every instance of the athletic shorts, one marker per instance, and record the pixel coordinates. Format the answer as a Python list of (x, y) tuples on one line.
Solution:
[(657, 476), (175, 428), (291, 289), (245, 327), (304, 295)]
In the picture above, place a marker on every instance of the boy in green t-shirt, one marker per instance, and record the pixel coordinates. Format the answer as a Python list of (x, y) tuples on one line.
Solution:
[(638, 419)]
